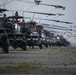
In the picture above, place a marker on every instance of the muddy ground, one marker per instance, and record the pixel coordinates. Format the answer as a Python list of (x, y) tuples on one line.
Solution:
[(46, 61)]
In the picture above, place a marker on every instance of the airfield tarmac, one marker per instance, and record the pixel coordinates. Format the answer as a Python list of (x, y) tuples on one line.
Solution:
[(46, 61)]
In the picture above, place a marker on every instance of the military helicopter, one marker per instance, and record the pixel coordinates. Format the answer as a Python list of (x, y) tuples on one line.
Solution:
[(46, 36), (33, 31), (15, 38)]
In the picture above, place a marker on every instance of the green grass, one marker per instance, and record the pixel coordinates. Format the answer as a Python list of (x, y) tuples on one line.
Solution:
[(20, 67)]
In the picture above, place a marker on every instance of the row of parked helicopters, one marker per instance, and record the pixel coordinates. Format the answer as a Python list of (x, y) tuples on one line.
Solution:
[(21, 34)]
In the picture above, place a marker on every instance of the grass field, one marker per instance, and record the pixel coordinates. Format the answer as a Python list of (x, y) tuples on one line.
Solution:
[(52, 60)]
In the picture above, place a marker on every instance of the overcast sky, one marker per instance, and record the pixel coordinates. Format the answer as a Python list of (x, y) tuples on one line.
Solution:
[(70, 11)]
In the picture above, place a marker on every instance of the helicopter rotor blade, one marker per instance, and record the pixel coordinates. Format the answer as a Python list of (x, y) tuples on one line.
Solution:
[(50, 14), (56, 6), (52, 25), (57, 28), (64, 22), (3, 10), (55, 20)]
